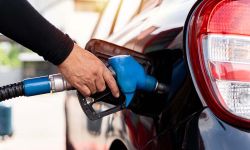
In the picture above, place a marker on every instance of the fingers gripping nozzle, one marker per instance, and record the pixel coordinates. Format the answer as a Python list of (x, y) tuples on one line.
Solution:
[(131, 76)]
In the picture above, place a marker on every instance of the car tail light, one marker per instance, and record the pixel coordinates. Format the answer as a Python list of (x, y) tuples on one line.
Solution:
[(218, 53)]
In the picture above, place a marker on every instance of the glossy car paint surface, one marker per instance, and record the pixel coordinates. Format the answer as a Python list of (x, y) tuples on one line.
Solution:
[(156, 30), (227, 136), (177, 120)]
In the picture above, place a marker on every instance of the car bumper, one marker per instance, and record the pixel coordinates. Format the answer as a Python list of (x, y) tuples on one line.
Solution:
[(213, 133)]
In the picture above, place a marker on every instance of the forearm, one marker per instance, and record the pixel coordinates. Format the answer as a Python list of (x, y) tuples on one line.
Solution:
[(22, 23)]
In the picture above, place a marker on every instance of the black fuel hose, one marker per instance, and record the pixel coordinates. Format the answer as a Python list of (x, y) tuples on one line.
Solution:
[(35, 86), (11, 91)]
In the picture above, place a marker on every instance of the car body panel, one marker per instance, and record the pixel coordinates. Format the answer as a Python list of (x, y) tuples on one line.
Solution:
[(163, 20), (227, 137), (177, 120)]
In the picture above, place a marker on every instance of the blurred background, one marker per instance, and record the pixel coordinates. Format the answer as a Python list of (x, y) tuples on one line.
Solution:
[(39, 122)]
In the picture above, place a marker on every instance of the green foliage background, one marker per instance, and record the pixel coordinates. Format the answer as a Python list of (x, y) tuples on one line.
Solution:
[(10, 58)]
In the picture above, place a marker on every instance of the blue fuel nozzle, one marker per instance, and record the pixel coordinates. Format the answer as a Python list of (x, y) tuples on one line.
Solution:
[(131, 76)]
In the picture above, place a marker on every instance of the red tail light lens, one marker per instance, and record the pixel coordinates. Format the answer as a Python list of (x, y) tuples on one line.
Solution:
[(218, 53)]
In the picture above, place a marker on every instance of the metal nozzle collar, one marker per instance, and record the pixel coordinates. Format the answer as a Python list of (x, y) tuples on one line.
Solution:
[(58, 83)]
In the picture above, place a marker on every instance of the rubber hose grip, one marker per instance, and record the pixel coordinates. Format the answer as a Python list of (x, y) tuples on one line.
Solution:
[(11, 91)]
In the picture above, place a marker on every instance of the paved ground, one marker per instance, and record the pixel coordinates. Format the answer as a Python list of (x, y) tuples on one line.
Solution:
[(39, 123)]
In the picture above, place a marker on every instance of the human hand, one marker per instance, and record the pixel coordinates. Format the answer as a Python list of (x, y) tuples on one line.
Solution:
[(87, 73)]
